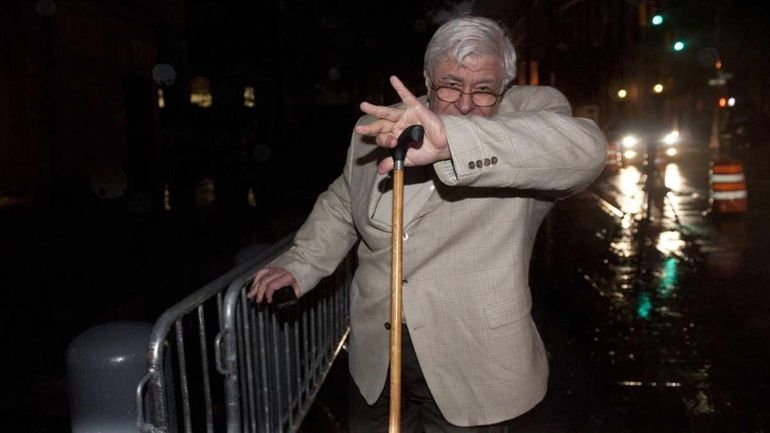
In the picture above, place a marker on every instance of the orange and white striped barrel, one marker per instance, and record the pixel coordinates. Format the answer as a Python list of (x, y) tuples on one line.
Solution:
[(728, 187)]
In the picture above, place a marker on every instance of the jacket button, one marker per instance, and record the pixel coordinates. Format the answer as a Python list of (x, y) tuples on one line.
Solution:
[(486, 162), (471, 165), (494, 160), (387, 325), (478, 163)]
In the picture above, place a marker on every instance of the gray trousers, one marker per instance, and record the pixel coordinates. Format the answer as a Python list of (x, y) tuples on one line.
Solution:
[(419, 412)]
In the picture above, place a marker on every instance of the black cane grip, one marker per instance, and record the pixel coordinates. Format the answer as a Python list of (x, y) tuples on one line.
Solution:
[(409, 136)]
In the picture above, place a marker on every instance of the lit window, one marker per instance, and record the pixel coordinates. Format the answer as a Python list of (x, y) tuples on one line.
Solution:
[(200, 92), (166, 198), (248, 97)]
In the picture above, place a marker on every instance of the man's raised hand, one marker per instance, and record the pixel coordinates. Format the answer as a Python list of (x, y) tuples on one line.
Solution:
[(391, 121)]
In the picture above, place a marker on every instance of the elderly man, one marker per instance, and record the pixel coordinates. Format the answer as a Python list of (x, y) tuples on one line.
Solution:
[(494, 159)]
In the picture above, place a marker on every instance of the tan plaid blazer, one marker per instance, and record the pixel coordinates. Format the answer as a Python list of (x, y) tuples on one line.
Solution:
[(467, 248)]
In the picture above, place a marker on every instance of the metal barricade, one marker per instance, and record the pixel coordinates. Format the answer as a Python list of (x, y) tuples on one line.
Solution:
[(252, 369)]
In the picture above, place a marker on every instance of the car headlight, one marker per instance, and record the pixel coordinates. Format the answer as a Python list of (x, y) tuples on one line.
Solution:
[(671, 138), (629, 141)]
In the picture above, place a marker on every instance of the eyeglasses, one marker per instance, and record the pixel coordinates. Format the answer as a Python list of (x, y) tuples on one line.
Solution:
[(452, 95)]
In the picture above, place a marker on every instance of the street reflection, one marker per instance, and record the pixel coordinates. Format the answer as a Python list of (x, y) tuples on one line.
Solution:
[(673, 177), (670, 242), (675, 298), (669, 277), (647, 338), (628, 183), (644, 305), (652, 384)]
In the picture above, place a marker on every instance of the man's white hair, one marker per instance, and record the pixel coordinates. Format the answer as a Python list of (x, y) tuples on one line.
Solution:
[(466, 36)]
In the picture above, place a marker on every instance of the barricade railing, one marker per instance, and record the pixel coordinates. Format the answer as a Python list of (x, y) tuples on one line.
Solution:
[(218, 362)]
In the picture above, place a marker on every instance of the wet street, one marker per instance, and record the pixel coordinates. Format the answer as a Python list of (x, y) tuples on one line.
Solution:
[(655, 325), (672, 312)]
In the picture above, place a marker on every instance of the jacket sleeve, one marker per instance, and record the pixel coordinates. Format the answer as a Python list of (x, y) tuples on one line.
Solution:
[(532, 143), (325, 237)]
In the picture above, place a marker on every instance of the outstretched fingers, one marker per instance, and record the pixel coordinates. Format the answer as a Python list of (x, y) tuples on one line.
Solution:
[(381, 111), (406, 96), (380, 126), (390, 122)]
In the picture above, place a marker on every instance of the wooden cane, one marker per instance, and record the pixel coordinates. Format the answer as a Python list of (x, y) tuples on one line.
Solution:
[(410, 136)]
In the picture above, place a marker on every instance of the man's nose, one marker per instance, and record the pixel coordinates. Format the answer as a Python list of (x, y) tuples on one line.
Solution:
[(465, 103)]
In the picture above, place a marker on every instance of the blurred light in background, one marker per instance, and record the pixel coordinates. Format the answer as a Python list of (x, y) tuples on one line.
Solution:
[(671, 138), (249, 99), (200, 92), (251, 199), (657, 88), (629, 141), (622, 93), (722, 102), (166, 198)]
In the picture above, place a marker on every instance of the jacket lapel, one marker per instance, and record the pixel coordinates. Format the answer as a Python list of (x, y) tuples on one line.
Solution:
[(380, 184), (420, 197)]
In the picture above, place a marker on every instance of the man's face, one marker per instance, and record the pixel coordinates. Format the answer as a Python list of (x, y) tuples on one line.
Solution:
[(478, 73)]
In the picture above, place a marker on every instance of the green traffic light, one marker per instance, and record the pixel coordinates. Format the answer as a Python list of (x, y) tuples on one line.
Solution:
[(678, 46), (657, 20)]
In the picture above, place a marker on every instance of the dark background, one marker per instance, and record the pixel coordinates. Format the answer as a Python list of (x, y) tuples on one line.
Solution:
[(113, 206)]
